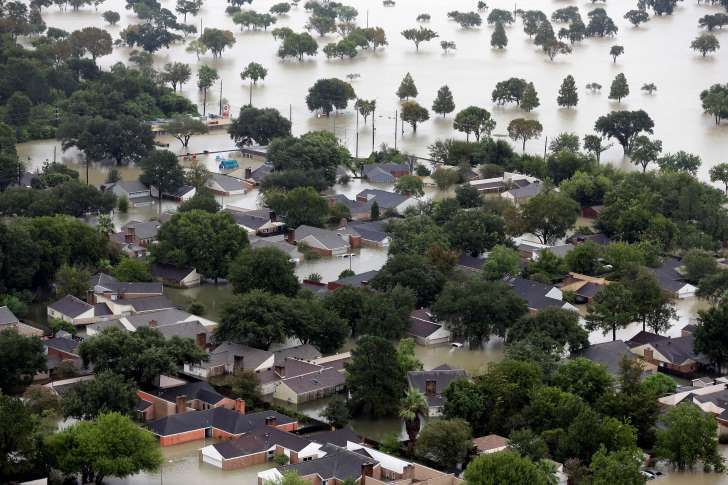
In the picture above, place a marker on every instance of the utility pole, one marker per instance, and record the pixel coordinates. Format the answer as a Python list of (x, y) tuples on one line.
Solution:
[(395, 129), (357, 133), (220, 113), (367, 18), (374, 116), (545, 144), (290, 113)]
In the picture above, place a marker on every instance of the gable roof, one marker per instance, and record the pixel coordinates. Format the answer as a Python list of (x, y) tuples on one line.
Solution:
[(529, 190), (259, 440), (261, 172), (70, 306), (490, 442), (385, 199), (668, 276), (320, 379), (330, 239), (338, 463), (370, 230), (192, 390), (221, 418), (254, 219), (7, 317), (442, 376), (67, 345), (338, 437), (642, 337), (534, 293), (225, 354), (608, 353), (226, 182), (357, 280), (142, 230), (102, 281), (305, 352), (170, 272), (422, 324), (161, 318), (148, 304), (678, 350), (131, 186)]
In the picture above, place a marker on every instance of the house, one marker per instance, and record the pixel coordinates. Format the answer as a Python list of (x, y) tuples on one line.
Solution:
[(258, 447), (711, 399), (498, 185), (387, 201), (304, 352), (216, 422), (670, 355), (432, 383), (182, 194), (292, 251), (136, 192), (135, 237), (491, 443), (174, 276), (610, 354), (229, 357), (592, 212), (62, 348), (254, 177), (531, 251), (181, 397), (72, 310), (583, 286), (170, 322), (425, 330), (259, 222), (318, 383), (105, 287), (538, 295), (384, 173), (256, 152), (373, 233), (324, 241), (8, 320), (670, 279), (225, 185), (520, 195), (356, 281)]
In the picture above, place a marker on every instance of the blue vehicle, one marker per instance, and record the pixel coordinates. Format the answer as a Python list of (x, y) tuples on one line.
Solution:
[(228, 164)]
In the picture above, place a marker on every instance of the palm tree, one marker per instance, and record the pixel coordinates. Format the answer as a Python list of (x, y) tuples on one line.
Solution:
[(413, 404)]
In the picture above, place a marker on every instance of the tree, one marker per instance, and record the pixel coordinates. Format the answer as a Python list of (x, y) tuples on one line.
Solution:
[(652, 307), (124, 139), (217, 40), (645, 151), (366, 107), (448, 45), (680, 162), (412, 405), (256, 318), (111, 445), (649, 88), (254, 72), (719, 173), (498, 15), (473, 120), (523, 129), (300, 206), (336, 412), (552, 329), (624, 126), (206, 77), (529, 101), (593, 144), (637, 17), (72, 280), (705, 43), (266, 268), (499, 39), (443, 103), (131, 269), (188, 7), (201, 240), (710, 334), (280, 8), (20, 359), (373, 378), (446, 442), (584, 378), (93, 40), (298, 45), (611, 309), (244, 385), (411, 271), (470, 315), (568, 95), (619, 88), (407, 88), (506, 467), (323, 24), (183, 127), (412, 113), (473, 231), (260, 126), (622, 466), (108, 392), (419, 35), (327, 94), (549, 215), (698, 264), (467, 20), (616, 51), (528, 444), (715, 101), (161, 170), (176, 73), (689, 436), (416, 235), (501, 261), (19, 437)]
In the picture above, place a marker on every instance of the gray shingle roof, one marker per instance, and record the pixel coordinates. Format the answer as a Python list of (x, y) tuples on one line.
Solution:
[(67, 345), (304, 352), (259, 440), (131, 186), (221, 418), (252, 221), (422, 325), (322, 379), (148, 304), (534, 293), (338, 463), (385, 200), (442, 376), (7, 317), (607, 353), (358, 280), (192, 390), (169, 272), (370, 231), (330, 239), (225, 353), (668, 276), (529, 190), (227, 182), (142, 230), (162, 317), (70, 306)]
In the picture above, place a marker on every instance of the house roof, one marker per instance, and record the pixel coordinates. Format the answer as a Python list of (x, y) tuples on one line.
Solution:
[(191, 390), (377, 175), (370, 230), (253, 220), (131, 186), (338, 463), (471, 262), (589, 290), (169, 272), (164, 317), (260, 173), (67, 345), (354, 206), (221, 418), (290, 249), (422, 324), (306, 352), (678, 350), (387, 167), (642, 337), (102, 281), (338, 437), (330, 239), (529, 190), (227, 182), (259, 440), (184, 329), (142, 230), (442, 376), (70, 306), (607, 353), (358, 280), (534, 293), (668, 276), (7, 317), (490, 442), (151, 303), (385, 199), (321, 379), (252, 357), (599, 238)]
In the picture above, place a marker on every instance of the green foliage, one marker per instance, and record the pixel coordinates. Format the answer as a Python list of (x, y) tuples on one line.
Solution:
[(689, 436), (660, 384), (131, 269), (499, 39), (107, 392), (551, 329), (409, 185), (445, 178), (698, 265), (329, 94), (524, 130), (268, 269), (18, 438), (203, 200), (501, 261), (411, 271), (256, 318), (406, 356), (549, 215), (20, 359), (528, 444), (416, 235), (412, 113), (621, 467), (300, 206), (624, 126), (336, 412), (474, 120), (710, 336), (568, 96), (583, 378), (297, 45), (444, 103), (161, 169), (71, 280), (259, 126), (505, 467), (705, 43), (446, 442), (419, 35), (244, 385), (611, 309), (183, 127), (475, 231)]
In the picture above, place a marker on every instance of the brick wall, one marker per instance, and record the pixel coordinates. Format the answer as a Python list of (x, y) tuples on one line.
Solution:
[(245, 461), (194, 435)]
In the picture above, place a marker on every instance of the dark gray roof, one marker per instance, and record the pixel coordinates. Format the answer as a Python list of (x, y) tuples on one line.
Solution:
[(330, 239), (534, 293), (221, 418), (260, 173), (259, 440), (148, 304), (250, 220), (70, 306), (227, 182), (184, 329), (642, 337), (679, 350), (385, 200), (338, 463), (6, 316), (422, 324), (471, 262), (370, 231), (305, 352), (529, 190), (387, 167), (142, 230), (442, 376), (252, 357), (359, 280), (162, 317), (192, 390), (169, 272), (354, 206), (338, 437), (607, 353), (108, 282), (322, 379), (588, 290), (67, 345), (668, 276), (131, 186)]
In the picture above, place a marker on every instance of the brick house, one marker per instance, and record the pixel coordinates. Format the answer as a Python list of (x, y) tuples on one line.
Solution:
[(169, 401), (671, 355)]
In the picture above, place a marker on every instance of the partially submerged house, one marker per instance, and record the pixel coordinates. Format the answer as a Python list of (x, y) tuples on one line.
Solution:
[(584, 287), (426, 330), (258, 222), (136, 192), (672, 355), (77, 312), (324, 241), (671, 280), (520, 195), (384, 173), (354, 281), (168, 274), (610, 354), (181, 397), (373, 233), (228, 357), (8, 321), (182, 194), (711, 398), (62, 348), (538, 295), (135, 237), (225, 185), (432, 383)]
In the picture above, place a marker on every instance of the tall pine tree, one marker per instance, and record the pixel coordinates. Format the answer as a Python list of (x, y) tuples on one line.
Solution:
[(530, 101), (619, 88), (499, 39), (568, 96), (444, 103), (407, 88)]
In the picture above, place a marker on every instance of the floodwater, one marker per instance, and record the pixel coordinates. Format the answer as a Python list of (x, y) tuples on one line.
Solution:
[(657, 51)]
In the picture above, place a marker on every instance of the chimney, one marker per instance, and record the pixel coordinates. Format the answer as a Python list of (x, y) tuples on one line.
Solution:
[(237, 362), (201, 340), (273, 216), (367, 470), (280, 370), (181, 404), (270, 421), (430, 387), (130, 234), (240, 406), (152, 324), (248, 172)]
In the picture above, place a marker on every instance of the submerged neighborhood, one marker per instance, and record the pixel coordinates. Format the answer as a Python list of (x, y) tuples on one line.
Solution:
[(203, 286)]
